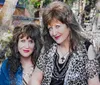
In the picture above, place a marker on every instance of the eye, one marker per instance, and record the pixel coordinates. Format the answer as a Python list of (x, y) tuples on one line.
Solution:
[(22, 40), (57, 26), (31, 41), (50, 28)]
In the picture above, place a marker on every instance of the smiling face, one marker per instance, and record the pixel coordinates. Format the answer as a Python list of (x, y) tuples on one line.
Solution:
[(59, 31), (26, 46)]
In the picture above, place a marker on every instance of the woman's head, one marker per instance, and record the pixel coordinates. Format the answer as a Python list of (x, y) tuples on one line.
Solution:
[(26, 42), (25, 46), (59, 31), (60, 11), (30, 33)]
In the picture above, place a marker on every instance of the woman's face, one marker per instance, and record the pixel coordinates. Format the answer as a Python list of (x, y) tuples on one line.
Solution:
[(26, 46), (59, 31)]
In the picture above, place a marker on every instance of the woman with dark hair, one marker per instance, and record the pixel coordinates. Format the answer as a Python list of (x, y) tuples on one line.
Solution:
[(67, 59), (25, 48)]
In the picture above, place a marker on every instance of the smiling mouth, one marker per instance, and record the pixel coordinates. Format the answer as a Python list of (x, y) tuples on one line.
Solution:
[(57, 37), (26, 51)]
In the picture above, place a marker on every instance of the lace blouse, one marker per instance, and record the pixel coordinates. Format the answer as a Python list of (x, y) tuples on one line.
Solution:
[(80, 68)]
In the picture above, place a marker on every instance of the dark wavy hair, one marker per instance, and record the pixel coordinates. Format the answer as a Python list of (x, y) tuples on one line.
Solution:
[(62, 12), (30, 31)]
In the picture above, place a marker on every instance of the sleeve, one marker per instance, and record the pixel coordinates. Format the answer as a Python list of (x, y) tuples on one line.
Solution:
[(92, 65), (4, 80), (2, 76), (41, 62)]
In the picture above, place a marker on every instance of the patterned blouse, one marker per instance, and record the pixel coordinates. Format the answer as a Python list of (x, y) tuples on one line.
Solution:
[(80, 68)]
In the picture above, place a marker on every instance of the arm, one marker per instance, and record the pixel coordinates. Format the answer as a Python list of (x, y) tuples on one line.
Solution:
[(94, 81), (4, 76), (37, 77), (92, 67)]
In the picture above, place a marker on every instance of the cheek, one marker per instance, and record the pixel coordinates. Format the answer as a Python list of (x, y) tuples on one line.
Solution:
[(66, 31), (20, 45), (51, 33), (32, 46)]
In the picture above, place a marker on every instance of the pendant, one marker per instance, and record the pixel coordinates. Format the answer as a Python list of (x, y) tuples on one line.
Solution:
[(62, 59)]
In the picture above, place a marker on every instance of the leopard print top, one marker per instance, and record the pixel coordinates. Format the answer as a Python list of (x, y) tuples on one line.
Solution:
[(80, 68)]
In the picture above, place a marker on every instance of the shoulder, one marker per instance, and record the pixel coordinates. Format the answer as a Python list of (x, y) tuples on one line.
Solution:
[(3, 69), (84, 45), (4, 63), (4, 74), (91, 52), (87, 44), (52, 48), (90, 49), (46, 57)]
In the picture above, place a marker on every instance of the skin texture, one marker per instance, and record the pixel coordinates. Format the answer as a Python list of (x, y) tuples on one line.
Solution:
[(26, 46), (58, 31)]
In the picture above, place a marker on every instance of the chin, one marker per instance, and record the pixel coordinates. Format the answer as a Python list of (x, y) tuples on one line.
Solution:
[(26, 56), (58, 42)]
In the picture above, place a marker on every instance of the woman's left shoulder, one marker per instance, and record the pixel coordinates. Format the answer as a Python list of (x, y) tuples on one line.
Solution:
[(87, 44)]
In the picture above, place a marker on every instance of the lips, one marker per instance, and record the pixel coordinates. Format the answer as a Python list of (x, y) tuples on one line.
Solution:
[(26, 51), (57, 37)]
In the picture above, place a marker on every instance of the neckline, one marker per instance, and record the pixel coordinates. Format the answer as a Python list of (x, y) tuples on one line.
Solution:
[(57, 62), (62, 55)]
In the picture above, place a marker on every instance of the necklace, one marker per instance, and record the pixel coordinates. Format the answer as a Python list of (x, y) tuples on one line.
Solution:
[(62, 55), (63, 58), (27, 74)]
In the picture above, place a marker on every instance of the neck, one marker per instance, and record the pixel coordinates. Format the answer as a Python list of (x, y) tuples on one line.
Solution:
[(63, 51), (26, 62), (28, 68), (64, 46)]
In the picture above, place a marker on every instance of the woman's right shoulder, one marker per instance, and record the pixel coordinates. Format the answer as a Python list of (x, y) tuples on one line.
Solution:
[(4, 63)]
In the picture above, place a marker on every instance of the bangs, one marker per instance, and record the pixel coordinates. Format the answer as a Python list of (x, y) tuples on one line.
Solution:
[(24, 35), (27, 35), (29, 31), (53, 14)]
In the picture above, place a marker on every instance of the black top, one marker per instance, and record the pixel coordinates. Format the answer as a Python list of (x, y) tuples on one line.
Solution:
[(80, 67), (59, 71)]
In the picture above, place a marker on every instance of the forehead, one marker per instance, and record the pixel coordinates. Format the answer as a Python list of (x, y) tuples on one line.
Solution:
[(54, 21), (24, 36)]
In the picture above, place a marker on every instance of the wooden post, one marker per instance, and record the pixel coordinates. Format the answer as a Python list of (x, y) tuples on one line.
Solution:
[(7, 11)]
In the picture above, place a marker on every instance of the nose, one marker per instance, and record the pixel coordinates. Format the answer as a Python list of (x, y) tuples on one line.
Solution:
[(27, 45), (54, 32)]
